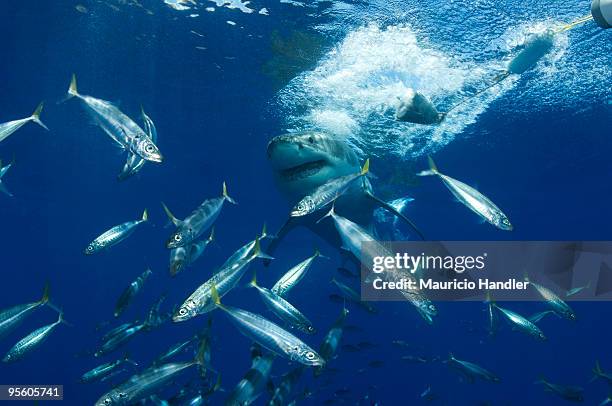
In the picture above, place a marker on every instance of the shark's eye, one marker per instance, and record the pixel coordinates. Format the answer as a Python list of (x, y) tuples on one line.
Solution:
[(311, 139)]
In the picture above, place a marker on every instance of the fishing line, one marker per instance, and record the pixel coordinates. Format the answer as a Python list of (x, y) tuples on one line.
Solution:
[(576, 23)]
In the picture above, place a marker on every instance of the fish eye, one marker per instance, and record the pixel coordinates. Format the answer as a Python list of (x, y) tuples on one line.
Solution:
[(149, 148), (182, 311), (122, 395), (311, 139), (178, 237), (431, 307), (310, 355), (107, 401)]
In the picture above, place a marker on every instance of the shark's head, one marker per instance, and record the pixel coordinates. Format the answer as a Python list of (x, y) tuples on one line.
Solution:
[(303, 161)]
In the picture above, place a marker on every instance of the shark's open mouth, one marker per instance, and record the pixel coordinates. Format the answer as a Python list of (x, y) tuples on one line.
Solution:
[(303, 171)]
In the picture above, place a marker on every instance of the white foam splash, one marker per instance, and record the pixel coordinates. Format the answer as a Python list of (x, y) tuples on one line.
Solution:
[(234, 4), (355, 89)]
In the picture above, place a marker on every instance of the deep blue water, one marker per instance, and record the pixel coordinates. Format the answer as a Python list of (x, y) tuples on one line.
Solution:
[(539, 148)]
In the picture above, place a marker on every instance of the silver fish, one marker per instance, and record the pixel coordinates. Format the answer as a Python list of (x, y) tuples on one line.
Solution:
[(327, 193), (269, 335), (471, 370), (471, 198), (540, 315), (599, 373), (200, 220), (135, 162), (521, 323), (115, 235), (353, 236), (577, 290), (182, 257), (283, 309), (283, 390), (3, 171), (201, 301), (31, 341), (254, 382), (128, 294), (10, 127), (294, 275), (12, 317), (122, 129), (331, 342), (554, 301), (119, 338), (142, 386), (571, 393), (105, 370)]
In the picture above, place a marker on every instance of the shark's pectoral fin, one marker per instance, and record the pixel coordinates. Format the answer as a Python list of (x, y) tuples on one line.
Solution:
[(289, 225), (393, 211)]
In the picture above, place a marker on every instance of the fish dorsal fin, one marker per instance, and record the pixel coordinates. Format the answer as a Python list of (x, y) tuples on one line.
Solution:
[(171, 216)]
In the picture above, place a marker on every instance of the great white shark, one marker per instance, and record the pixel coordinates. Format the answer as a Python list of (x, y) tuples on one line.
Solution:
[(303, 161)]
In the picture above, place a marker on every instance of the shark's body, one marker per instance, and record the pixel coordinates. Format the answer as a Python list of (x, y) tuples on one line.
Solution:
[(301, 162)]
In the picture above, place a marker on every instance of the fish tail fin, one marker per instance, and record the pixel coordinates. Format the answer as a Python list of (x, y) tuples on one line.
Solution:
[(211, 237), (253, 282), (317, 254), (145, 215), (264, 231), (61, 319), (433, 168), (366, 167), (331, 213), (36, 116), (258, 253), (72, 89), (597, 372), (46, 294), (215, 295), (226, 196), (126, 358)]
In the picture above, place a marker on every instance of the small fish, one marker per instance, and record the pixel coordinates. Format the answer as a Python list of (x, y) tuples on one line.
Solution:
[(10, 127), (201, 300), (376, 364), (571, 393), (330, 344), (347, 273), (350, 348), (175, 349), (132, 290), (117, 330), (245, 250), (135, 162), (269, 335), (118, 126), (554, 301), (280, 395), (599, 373), (577, 290), (471, 198), (349, 294), (327, 193), (3, 171), (200, 220), (521, 323), (198, 248), (283, 309), (182, 257), (31, 341), (115, 235), (10, 318), (254, 382), (291, 278), (119, 338), (539, 316), (414, 359), (105, 370), (471, 370), (150, 381)]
